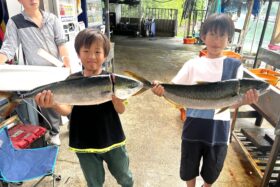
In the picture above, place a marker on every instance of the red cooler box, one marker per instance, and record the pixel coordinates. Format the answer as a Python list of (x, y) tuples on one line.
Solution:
[(27, 136)]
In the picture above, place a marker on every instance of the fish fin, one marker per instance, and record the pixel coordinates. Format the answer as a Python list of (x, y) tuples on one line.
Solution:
[(202, 82), (105, 92), (173, 103), (146, 83), (222, 110), (140, 91), (10, 96)]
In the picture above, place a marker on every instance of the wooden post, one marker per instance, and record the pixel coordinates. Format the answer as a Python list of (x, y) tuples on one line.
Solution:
[(245, 26)]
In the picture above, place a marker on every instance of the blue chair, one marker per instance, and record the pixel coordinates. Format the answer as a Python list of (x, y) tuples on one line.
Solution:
[(19, 165)]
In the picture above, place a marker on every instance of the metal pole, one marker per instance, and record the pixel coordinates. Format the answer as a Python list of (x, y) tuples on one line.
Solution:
[(107, 19), (107, 30), (263, 32)]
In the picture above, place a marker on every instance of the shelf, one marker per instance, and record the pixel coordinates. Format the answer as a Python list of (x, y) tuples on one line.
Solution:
[(268, 104), (270, 57), (236, 136), (268, 107), (257, 159)]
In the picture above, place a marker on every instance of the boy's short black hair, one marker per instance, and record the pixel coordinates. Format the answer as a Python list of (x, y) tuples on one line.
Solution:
[(88, 36), (218, 23)]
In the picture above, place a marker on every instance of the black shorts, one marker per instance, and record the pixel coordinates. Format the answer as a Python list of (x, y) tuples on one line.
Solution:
[(213, 161)]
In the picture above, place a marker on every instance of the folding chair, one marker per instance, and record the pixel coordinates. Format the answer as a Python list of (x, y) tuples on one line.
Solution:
[(19, 165)]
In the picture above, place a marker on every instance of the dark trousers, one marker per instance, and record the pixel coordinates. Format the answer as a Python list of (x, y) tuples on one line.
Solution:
[(118, 164)]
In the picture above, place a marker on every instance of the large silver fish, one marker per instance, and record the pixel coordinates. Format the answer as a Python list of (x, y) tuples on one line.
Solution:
[(83, 90), (213, 95)]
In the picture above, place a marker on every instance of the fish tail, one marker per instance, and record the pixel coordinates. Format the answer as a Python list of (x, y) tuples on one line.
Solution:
[(7, 109), (11, 96), (6, 94), (173, 103), (140, 91), (12, 102), (146, 83)]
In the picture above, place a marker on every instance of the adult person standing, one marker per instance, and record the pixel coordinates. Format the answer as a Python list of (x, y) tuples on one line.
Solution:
[(34, 29)]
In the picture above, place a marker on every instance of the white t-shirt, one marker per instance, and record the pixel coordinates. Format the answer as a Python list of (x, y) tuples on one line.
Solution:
[(203, 69)]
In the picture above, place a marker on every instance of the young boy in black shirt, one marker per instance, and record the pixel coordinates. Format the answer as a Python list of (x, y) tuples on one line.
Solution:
[(95, 133)]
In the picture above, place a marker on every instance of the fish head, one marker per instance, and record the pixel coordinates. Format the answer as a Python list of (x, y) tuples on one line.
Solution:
[(125, 87), (259, 85)]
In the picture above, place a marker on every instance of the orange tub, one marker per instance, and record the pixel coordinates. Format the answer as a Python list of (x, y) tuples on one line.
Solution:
[(265, 71), (272, 77), (189, 40), (227, 53)]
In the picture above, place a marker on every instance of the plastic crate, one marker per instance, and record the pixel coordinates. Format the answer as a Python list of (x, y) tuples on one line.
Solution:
[(189, 40), (270, 76), (27, 136), (227, 53)]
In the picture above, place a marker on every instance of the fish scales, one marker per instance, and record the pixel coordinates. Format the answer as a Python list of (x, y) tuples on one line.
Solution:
[(79, 91), (246, 84), (212, 95), (207, 91), (205, 104), (88, 90), (220, 94)]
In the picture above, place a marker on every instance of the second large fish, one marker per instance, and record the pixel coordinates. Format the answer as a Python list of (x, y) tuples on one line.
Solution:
[(211, 95)]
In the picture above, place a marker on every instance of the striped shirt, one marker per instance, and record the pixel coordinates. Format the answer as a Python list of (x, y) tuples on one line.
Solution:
[(22, 30)]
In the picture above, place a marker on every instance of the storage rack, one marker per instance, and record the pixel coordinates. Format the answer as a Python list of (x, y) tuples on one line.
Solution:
[(268, 107), (257, 158)]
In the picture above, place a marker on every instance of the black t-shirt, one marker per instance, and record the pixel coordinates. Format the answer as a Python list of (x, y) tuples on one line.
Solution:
[(95, 128)]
